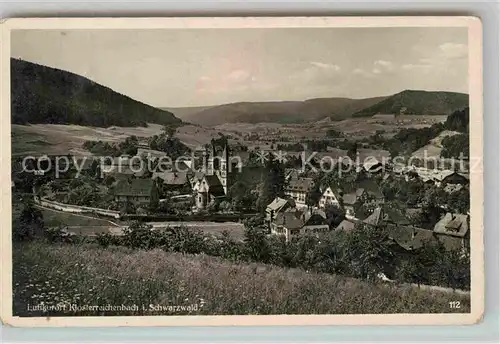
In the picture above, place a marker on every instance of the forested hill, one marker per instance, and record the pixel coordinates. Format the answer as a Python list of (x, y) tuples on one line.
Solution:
[(418, 103), (42, 94)]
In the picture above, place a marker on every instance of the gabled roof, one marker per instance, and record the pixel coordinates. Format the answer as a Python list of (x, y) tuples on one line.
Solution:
[(278, 203), (314, 217), (411, 238), (374, 218), (172, 178), (371, 188), (300, 184), (346, 225), (387, 214), (134, 187), (289, 219), (452, 224), (214, 185), (370, 163)]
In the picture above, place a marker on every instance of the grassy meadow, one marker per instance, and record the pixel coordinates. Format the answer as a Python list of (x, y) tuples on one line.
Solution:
[(88, 275)]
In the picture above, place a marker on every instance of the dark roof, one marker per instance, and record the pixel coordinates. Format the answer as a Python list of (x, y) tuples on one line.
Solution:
[(456, 178), (411, 238), (168, 166), (450, 243), (314, 217), (134, 187), (214, 185), (300, 184), (289, 219), (371, 188), (172, 178)]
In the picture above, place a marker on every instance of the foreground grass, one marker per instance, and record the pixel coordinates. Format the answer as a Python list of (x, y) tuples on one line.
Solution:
[(87, 275)]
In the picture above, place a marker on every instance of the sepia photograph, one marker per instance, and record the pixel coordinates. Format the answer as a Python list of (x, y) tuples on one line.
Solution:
[(204, 167)]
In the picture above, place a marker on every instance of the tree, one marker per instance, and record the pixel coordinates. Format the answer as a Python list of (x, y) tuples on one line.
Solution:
[(169, 130), (313, 196), (129, 146), (154, 197), (334, 215), (256, 244), (272, 183), (370, 251), (29, 224)]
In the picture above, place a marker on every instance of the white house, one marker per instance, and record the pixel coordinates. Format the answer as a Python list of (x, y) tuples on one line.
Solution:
[(329, 197)]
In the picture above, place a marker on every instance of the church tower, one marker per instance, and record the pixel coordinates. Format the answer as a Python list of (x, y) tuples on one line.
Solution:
[(212, 161), (223, 171)]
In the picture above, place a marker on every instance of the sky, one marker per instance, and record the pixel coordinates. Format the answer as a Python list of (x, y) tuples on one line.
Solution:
[(196, 67)]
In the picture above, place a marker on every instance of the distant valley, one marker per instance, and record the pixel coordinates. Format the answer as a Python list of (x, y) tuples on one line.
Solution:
[(407, 102)]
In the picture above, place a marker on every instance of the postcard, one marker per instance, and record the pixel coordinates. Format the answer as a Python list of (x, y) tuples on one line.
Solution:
[(242, 171)]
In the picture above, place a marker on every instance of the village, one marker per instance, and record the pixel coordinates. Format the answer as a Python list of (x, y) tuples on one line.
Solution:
[(320, 192)]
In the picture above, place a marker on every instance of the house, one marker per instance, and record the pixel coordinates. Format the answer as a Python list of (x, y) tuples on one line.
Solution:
[(330, 196), (389, 215), (411, 238), (278, 205), (135, 191), (436, 177), (455, 178), (214, 180), (453, 231), (298, 188), (207, 190), (173, 180), (372, 156), (351, 201), (294, 223)]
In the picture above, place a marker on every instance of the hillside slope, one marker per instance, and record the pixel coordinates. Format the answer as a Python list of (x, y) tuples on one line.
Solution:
[(117, 275), (185, 112), (42, 94), (280, 111), (418, 103)]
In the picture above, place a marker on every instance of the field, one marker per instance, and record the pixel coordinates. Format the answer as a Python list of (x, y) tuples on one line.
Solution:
[(434, 148), (351, 127), (196, 285), (63, 139)]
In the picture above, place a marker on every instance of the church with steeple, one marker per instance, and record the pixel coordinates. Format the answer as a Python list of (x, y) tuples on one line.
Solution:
[(213, 181)]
